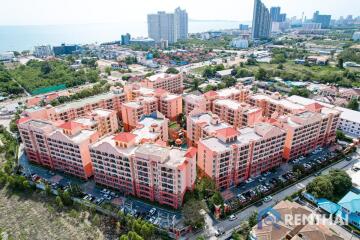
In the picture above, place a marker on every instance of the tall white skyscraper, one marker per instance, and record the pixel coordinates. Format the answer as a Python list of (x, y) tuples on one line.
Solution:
[(181, 22), (168, 26)]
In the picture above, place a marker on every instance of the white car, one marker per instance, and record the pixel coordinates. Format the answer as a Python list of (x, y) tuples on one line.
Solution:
[(152, 211), (232, 217), (249, 180), (267, 199)]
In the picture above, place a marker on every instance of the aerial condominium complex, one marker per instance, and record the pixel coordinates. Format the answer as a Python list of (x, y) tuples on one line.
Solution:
[(232, 156), (69, 111), (170, 82), (60, 146), (157, 173), (237, 114)]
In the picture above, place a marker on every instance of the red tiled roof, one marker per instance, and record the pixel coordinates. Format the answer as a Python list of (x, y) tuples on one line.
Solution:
[(160, 91), (52, 96), (227, 132), (33, 101), (124, 137), (191, 152), (210, 94), (70, 125), (23, 120)]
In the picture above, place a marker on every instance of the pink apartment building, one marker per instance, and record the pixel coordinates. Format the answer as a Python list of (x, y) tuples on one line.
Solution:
[(199, 102), (308, 130), (60, 146), (202, 124), (232, 156), (170, 82), (205, 102), (273, 104), (237, 114), (111, 100), (149, 171), (104, 121), (170, 105), (152, 128), (131, 112)]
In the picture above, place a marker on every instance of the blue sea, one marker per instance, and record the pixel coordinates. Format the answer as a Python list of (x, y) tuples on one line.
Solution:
[(18, 38)]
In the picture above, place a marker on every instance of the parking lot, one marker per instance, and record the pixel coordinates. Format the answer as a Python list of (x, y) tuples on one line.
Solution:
[(99, 195), (265, 183)]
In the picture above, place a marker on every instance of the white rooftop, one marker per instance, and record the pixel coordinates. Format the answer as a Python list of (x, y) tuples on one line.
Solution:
[(159, 75), (144, 132), (108, 140), (229, 103), (226, 92), (85, 101), (348, 114)]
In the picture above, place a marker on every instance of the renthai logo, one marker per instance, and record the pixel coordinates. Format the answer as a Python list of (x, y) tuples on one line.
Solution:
[(267, 217)]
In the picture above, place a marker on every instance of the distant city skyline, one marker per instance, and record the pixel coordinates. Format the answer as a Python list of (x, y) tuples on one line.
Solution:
[(41, 12)]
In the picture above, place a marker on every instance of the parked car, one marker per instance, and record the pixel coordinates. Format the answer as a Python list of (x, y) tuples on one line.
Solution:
[(99, 201), (152, 211), (241, 198), (232, 217), (249, 180), (152, 219), (107, 197), (219, 232), (267, 199)]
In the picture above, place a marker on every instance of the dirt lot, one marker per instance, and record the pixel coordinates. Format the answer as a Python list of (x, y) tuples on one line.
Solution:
[(24, 217)]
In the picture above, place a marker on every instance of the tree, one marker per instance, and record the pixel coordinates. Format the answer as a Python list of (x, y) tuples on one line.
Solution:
[(131, 236), (340, 63), (195, 84), (261, 74), (321, 187), (217, 199), (229, 81), (253, 219), (59, 202), (172, 70), (108, 71), (303, 92), (341, 182), (192, 215), (353, 104)]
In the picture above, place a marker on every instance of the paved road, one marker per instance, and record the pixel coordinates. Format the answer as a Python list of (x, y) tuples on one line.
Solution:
[(229, 226)]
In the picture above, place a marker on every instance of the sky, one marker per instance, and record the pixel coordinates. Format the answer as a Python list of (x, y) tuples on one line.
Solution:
[(53, 12)]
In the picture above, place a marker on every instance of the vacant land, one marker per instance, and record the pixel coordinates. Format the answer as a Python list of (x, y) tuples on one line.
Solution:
[(32, 217)]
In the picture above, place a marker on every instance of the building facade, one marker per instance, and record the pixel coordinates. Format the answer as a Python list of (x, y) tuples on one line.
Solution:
[(261, 25), (148, 171), (232, 156)]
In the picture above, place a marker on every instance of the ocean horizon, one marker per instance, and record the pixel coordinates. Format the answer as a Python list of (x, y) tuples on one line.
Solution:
[(19, 38)]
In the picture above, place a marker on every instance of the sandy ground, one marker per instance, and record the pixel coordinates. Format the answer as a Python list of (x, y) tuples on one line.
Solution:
[(31, 218)]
